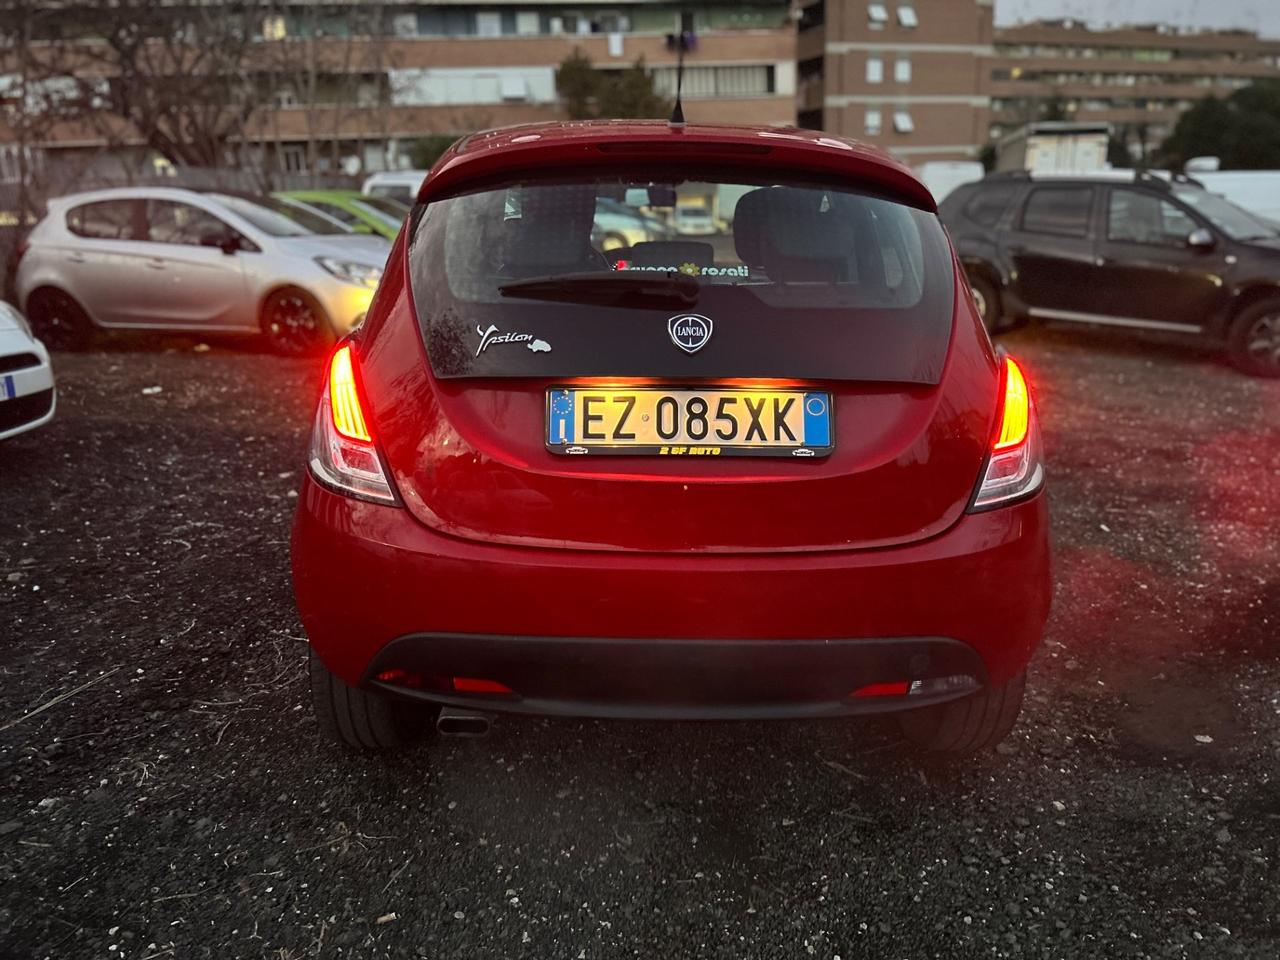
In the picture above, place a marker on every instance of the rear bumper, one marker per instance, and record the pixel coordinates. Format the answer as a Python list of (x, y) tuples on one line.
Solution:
[(688, 635), (676, 679)]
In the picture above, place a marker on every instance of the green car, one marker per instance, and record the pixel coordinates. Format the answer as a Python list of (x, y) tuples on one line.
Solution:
[(359, 213)]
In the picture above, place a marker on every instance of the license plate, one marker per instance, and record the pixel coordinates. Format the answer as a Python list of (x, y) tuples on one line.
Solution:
[(689, 423)]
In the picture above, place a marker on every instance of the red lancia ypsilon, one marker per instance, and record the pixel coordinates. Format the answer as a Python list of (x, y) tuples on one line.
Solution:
[(583, 459)]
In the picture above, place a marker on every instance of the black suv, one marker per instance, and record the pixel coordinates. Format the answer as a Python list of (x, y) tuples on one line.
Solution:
[(1127, 250)]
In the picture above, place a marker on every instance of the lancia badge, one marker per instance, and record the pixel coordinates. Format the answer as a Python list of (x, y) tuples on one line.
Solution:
[(689, 331)]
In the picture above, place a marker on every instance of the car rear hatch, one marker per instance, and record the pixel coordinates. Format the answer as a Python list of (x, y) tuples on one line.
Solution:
[(809, 292)]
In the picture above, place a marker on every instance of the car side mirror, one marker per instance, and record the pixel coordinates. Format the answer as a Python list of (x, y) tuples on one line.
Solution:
[(1200, 239)]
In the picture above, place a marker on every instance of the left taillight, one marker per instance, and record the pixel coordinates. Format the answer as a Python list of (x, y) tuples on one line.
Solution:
[(1015, 467), (343, 455)]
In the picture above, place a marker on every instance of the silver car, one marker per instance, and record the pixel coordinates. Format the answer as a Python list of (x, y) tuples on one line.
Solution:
[(158, 258)]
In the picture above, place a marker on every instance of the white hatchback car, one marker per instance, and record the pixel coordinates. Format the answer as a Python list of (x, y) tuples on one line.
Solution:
[(27, 395), (159, 258)]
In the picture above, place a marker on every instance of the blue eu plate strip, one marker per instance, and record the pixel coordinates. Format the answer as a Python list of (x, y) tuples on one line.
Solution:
[(562, 416), (817, 420), (10, 391)]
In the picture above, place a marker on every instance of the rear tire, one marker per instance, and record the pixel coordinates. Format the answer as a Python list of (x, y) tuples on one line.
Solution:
[(987, 299), (1254, 339), (295, 324), (58, 321), (363, 719), (968, 725)]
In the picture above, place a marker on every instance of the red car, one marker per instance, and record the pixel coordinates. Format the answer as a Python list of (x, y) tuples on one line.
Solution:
[(774, 471)]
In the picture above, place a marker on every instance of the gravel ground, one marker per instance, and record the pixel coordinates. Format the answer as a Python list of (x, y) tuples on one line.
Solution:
[(176, 801)]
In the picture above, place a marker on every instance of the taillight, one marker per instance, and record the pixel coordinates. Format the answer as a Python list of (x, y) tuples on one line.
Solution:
[(343, 455), (1015, 468)]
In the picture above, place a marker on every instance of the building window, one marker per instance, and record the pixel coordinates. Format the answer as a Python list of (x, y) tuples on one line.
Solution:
[(902, 122), (513, 87), (489, 24), (274, 27), (871, 123), (877, 15), (293, 158), (724, 81), (907, 16), (902, 70), (527, 23), (875, 70)]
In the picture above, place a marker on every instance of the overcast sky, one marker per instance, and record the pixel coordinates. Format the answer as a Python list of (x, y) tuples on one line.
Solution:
[(1260, 15)]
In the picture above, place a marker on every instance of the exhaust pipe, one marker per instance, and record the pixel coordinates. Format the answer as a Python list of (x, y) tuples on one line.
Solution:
[(456, 722)]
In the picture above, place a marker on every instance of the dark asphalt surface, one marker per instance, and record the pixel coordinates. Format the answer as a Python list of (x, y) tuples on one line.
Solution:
[(179, 803)]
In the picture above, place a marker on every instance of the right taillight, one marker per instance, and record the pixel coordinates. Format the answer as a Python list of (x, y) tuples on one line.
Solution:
[(343, 455), (1015, 467)]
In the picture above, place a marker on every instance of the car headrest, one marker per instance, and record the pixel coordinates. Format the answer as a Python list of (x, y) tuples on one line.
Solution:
[(808, 235), (670, 253), (552, 232), (748, 221)]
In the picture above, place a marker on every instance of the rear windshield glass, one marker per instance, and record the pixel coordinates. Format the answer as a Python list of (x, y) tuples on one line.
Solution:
[(795, 280)]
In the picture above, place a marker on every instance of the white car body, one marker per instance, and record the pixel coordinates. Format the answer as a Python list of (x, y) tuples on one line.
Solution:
[(397, 184), (691, 221), (189, 286), (27, 394)]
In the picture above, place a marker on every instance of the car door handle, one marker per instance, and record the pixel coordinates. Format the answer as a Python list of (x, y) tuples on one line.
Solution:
[(75, 258), (155, 263)]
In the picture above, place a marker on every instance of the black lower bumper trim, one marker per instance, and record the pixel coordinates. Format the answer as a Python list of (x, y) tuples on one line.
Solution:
[(24, 409), (675, 679)]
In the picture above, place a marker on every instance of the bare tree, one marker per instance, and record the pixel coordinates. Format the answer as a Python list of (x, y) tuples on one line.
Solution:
[(39, 97), (181, 77)]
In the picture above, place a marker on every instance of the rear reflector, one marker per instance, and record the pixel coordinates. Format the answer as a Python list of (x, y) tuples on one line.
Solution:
[(479, 685), (896, 689)]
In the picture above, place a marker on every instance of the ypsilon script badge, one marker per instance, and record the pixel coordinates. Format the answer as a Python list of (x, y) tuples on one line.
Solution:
[(689, 331)]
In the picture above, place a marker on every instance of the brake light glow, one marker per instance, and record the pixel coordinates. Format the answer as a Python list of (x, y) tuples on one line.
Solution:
[(343, 455), (1015, 415), (1015, 465), (348, 418)]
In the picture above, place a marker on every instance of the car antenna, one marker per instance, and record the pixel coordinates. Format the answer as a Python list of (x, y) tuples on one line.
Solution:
[(681, 39)]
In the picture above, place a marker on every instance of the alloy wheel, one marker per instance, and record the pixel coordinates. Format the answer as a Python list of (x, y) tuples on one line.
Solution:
[(293, 325), (1262, 342)]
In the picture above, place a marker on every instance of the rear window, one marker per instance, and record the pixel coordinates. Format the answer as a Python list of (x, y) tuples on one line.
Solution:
[(581, 278)]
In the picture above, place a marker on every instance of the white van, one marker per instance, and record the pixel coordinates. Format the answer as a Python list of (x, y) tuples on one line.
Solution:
[(1257, 191), (397, 184)]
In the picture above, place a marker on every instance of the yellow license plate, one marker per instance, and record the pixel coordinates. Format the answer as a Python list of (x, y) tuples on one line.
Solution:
[(688, 422)]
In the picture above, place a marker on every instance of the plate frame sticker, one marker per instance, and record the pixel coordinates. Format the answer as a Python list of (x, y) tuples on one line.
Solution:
[(560, 438)]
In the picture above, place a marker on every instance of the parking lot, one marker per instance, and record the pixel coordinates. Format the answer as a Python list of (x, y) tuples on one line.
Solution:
[(163, 792)]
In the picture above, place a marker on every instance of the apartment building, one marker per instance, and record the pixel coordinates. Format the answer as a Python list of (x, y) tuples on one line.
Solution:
[(906, 76), (936, 80), (1139, 79), (349, 87)]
